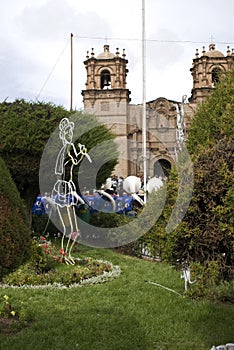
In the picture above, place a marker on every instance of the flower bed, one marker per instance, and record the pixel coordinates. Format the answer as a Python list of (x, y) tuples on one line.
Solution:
[(70, 277), (48, 268)]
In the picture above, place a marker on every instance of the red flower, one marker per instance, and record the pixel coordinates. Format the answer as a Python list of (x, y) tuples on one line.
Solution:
[(43, 238), (62, 252)]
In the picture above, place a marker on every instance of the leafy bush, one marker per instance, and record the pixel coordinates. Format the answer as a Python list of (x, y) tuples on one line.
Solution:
[(208, 283), (46, 267), (25, 130), (214, 118), (15, 240), (205, 236), (45, 256), (62, 275)]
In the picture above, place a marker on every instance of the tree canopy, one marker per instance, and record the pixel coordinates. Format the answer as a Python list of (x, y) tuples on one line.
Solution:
[(214, 118), (205, 235), (25, 129)]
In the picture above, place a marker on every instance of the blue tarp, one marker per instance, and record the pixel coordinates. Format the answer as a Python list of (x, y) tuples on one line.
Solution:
[(96, 203)]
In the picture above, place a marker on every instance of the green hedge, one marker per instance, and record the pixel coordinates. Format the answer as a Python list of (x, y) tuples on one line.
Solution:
[(15, 238)]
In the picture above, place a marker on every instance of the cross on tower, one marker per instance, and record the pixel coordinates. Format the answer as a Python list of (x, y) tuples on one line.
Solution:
[(211, 38)]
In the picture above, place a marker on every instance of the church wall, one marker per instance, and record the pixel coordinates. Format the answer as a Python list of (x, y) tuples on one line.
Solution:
[(111, 105)]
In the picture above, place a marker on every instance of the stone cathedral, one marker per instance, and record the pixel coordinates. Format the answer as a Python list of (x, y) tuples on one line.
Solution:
[(107, 97)]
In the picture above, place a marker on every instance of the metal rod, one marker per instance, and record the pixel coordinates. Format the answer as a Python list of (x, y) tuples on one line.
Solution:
[(71, 102)]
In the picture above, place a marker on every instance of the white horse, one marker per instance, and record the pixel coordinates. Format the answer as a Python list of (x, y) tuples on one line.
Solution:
[(132, 185), (154, 184)]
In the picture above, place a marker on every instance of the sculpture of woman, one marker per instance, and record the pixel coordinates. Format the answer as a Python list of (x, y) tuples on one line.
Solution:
[(64, 193)]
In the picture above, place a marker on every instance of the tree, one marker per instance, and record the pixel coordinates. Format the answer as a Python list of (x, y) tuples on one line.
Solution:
[(206, 233), (25, 130), (214, 118), (15, 241)]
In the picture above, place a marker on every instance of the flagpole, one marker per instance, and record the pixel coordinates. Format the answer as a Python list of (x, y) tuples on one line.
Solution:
[(71, 102), (143, 99)]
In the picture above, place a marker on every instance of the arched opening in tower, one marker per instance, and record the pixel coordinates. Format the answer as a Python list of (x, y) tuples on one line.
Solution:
[(105, 80), (216, 72), (162, 168)]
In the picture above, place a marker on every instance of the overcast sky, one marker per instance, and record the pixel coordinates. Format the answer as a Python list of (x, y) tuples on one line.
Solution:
[(35, 44)]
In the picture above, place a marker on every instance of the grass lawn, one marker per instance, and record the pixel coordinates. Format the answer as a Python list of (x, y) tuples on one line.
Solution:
[(126, 313)]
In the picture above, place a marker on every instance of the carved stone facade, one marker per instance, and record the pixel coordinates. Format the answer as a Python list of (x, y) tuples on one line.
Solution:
[(207, 69), (108, 99)]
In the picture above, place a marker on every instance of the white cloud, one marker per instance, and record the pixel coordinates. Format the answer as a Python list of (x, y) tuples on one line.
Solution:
[(53, 21), (35, 50), (164, 52)]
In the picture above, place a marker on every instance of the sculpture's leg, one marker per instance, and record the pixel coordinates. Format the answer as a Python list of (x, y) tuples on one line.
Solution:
[(68, 257), (64, 228), (75, 233)]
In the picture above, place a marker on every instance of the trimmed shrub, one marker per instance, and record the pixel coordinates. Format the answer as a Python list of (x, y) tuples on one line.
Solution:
[(206, 234), (15, 240), (204, 239)]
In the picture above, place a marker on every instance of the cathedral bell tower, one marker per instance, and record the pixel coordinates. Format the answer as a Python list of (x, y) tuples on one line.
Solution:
[(206, 71), (106, 95), (106, 82)]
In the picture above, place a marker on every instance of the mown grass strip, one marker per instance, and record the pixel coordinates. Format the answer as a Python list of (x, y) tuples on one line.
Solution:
[(126, 313)]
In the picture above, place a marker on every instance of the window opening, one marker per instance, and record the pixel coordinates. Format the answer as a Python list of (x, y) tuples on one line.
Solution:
[(215, 76), (105, 80)]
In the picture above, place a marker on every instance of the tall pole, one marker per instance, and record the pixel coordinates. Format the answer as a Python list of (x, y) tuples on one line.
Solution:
[(143, 99), (71, 102)]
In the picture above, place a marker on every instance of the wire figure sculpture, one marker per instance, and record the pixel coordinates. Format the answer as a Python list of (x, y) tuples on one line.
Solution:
[(186, 275), (64, 196), (180, 130)]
